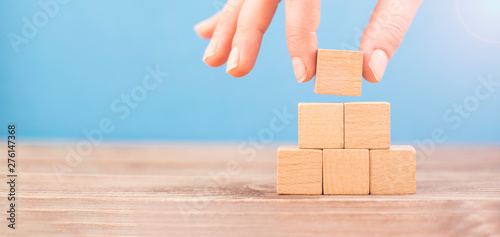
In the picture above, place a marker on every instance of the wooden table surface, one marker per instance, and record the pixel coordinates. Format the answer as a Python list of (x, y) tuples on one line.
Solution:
[(220, 190)]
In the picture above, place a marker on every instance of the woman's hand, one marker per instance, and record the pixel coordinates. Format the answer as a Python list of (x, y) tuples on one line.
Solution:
[(236, 33)]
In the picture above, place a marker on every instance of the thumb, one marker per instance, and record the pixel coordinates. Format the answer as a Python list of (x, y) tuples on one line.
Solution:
[(383, 35)]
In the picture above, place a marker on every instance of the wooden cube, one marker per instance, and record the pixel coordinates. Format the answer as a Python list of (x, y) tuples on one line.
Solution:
[(367, 125), (300, 171), (339, 72), (321, 125), (346, 171), (393, 171)]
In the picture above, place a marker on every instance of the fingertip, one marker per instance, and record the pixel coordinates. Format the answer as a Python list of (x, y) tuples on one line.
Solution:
[(214, 61), (238, 64), (311, 71), (205, 28), (304, 68), (217, 52), (237, 73), (203, 31), (367, 49), (375, 65), (240, 71), (307, 79), (234, 59), (368, 75), (299, 69)]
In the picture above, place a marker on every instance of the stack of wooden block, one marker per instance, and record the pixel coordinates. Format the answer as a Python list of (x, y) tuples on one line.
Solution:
[(344, 148)]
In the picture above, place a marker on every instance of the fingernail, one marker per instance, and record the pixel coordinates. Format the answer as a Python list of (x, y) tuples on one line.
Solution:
[(299, 68), (378, 63), (234, 59), (210, 51)]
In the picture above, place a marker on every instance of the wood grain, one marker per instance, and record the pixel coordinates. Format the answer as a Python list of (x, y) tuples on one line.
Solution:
[(339, 72), (300, 171), (346, 171), (321, 125), (169, 189), (367, 125), (393, 171)]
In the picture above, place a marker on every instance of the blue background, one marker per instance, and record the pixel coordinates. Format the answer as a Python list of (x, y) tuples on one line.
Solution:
[(64, 80)]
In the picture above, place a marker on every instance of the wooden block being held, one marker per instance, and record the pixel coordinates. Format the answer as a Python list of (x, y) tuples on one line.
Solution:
[(300, 171), (393, 171), (321, 125), (367, 125), (339, 72), (346, 171)]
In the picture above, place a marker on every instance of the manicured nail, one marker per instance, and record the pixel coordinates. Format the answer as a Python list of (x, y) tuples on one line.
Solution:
[(210, 51), (378, 63), (234, 59), (299, 68)]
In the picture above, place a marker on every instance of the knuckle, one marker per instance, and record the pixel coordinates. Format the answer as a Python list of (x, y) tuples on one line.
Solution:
[(298, 39), (245, 29), (301, 44), (299, 33), (387, 31), (397, 26), (395, 30)]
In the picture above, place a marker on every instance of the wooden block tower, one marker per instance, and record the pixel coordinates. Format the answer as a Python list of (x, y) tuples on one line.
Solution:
[(345, 148)]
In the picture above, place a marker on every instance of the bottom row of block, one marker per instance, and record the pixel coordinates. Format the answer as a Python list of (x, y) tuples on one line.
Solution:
[(346, 171)]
